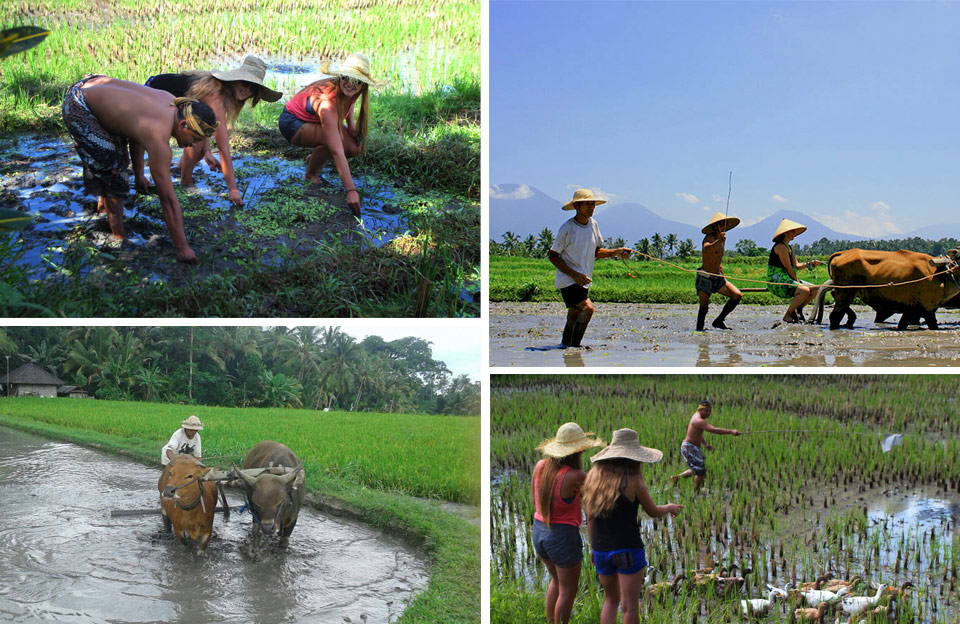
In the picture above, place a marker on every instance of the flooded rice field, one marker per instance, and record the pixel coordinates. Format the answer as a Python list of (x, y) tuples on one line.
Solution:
[(623, 334), (66, 560), (281, 213)]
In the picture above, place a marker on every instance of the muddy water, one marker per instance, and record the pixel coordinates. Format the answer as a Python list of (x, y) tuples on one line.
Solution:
[(43, 177), (66, 560), (663, 335)]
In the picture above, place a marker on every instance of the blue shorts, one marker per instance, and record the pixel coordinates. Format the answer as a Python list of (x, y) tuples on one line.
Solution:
[(624, 561), (289, 124), (561, 543)]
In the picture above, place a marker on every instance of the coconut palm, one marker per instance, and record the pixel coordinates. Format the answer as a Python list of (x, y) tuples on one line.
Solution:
[(685, 249), (510, 242), (671, 242), (656, 245)]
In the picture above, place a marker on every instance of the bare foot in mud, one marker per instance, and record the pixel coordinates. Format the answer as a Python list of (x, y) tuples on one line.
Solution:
[(318, 181)]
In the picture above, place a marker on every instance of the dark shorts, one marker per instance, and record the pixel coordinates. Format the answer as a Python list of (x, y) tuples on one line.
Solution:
[(624, 561), (289, 124), (693, 455), (561, 543), (104, 155), (574, 294), (710, 283)]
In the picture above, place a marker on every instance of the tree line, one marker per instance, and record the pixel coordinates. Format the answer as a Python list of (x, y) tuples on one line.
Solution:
[(308, 367), (670, 246)]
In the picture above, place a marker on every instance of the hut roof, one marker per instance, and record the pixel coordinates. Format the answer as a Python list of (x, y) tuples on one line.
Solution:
[(33, 374)]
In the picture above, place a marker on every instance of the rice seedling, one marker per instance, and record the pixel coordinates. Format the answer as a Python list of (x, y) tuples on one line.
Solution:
[(783, 507)]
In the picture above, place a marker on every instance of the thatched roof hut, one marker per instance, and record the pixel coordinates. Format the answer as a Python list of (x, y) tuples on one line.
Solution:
[(31, 380)]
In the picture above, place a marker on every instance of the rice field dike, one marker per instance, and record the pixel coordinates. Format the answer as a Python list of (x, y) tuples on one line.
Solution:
[(806, 490), (291, 250), (397, 472)]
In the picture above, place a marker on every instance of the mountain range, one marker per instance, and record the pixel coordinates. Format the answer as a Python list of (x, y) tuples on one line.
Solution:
[(524, 210)]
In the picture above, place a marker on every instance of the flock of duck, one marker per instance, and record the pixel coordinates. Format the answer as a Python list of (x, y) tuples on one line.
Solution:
[(825, 594)]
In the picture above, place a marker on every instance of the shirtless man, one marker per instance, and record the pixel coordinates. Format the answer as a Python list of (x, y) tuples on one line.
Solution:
[(102, 114), (712, 258), (690, 449)]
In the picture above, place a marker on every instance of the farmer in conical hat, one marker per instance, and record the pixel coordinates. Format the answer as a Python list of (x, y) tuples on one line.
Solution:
[(577, 246), (225, 91), (184, 441), (320, 116), (782, 268), (710, 277)]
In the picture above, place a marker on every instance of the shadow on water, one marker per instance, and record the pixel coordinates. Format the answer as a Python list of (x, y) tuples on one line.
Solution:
[(66, 560)]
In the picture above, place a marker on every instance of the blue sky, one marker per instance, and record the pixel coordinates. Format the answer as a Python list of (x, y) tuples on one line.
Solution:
[(848, 112)]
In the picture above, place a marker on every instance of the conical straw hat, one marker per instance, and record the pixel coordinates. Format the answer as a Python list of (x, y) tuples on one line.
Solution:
[(570, 439), (626, 445), (583, 195), (728, 223), (789, 226)]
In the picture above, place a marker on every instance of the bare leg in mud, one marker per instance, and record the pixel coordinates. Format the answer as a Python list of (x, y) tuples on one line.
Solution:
[(113, 206), (311, 135), (191, 156), (577, 320)]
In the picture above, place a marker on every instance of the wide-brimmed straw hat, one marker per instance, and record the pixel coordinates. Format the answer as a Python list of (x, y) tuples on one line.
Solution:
[(726, 223), (192, 423), (580, 196), (251, 70), (356, 66), (789, 226), (570, 439), (626, 445)]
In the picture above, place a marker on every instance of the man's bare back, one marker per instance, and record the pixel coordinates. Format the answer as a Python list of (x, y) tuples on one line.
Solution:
[(698, 425)]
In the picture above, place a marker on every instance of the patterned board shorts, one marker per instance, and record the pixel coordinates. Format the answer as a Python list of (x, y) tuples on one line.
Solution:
[(710, 283), (786, 286), (693, 455), (104, 155)]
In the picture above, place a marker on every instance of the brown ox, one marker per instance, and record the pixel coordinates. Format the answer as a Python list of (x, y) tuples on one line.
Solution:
[(274, 500), (939, 282), (187, 503)]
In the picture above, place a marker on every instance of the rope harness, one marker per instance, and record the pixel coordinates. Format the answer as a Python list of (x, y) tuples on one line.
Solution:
[(198, 501)]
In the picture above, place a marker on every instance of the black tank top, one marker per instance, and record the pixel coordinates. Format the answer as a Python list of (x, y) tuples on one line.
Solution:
[(620, 528), (177, 84), (774, 260)]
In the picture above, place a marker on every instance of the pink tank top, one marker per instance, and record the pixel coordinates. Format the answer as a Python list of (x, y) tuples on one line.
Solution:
[(299, 104), (560, 512)]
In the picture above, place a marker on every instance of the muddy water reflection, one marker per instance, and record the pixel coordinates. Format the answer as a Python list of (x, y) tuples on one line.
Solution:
[(66, 560)]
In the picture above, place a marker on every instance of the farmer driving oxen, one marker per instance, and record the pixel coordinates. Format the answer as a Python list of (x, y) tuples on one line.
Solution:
[(185, 440)]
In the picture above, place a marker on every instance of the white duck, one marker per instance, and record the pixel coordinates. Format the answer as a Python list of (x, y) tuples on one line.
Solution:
[(852, 605), (761, 606), (815, 596)]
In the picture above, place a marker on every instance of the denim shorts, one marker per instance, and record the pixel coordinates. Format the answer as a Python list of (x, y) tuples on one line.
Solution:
[(624, 561), (289, 124), (561, 543)]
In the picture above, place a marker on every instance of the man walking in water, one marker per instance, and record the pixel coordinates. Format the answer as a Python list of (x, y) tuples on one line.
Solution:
[(710, 277), (691, 447), (103, 114)]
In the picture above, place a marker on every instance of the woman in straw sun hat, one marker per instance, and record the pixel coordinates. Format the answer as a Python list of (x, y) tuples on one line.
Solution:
[(710, 277), (612, 495), (185, 441), (782, 268), (577, 245), (225, 92), (556, 485), (321, 116)]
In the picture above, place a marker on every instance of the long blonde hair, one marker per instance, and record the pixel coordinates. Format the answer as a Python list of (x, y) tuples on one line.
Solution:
[(546, 476), (605, 482), (330, 88), (204, 85)]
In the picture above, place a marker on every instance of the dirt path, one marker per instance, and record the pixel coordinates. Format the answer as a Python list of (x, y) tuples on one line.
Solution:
[(624, 334)]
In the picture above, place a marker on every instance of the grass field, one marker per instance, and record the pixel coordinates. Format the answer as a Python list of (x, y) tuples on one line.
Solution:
[(515, 278), (787, 507), (374, 463)]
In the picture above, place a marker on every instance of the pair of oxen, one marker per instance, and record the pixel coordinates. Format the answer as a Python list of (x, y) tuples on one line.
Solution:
[(912, 284), (188, 501)]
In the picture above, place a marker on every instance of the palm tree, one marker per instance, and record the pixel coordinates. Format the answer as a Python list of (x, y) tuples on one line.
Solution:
[(656, 245), (338, 367), (544, 242), (48, 356), (685, 249), (671, 242), (643, 247), (280, 390), (510, 242), (529, 246)]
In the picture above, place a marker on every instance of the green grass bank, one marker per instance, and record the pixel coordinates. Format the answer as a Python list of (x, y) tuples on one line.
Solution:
[(342, 455)]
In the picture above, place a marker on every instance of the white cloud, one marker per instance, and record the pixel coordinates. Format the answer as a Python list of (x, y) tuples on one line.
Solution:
[(717, 197), (521, 192), (780, 199), (689, 198), (873, 221)]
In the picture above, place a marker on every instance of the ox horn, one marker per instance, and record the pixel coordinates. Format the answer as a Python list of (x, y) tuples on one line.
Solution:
[(248, 480), (288, 478)]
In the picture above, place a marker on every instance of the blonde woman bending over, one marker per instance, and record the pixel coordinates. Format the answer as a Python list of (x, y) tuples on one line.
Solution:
[(612, 495)]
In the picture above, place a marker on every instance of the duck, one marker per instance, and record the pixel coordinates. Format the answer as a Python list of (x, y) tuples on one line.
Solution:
[(650, 577), (816, 596), (728, 585), (660, 590), (895, 592), (883, 612), (817, 584), (835, 584), (811, 615), (853, 605), (761, 606)]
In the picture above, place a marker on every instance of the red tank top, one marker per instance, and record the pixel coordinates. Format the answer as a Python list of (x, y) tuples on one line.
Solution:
[(299, 104), (560, 512)]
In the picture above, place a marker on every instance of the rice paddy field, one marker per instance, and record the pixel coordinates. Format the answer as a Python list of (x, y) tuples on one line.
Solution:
[(291, 250), (806, 489)]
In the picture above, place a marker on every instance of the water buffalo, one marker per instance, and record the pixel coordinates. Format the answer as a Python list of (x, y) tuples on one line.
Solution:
[(914, 301), (186, 502), (274, 500)]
